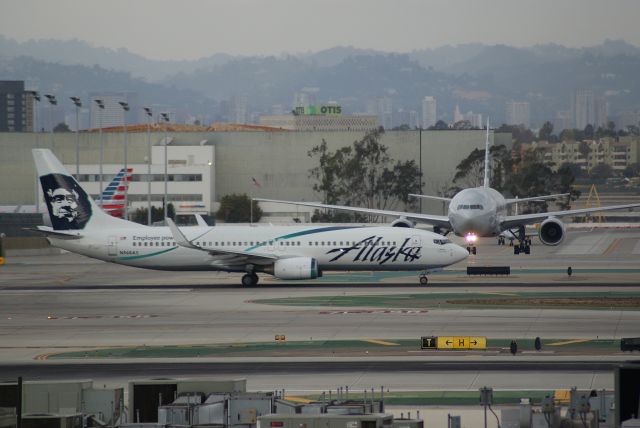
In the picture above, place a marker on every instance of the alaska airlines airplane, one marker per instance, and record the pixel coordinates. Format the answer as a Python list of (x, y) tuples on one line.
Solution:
[(480, 212), (286, 252)]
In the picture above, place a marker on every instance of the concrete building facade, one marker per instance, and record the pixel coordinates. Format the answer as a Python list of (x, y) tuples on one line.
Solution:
[(279, 161), (16, 107)]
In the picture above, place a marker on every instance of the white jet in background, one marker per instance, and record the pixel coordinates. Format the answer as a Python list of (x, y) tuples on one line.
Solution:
[(479, 212)]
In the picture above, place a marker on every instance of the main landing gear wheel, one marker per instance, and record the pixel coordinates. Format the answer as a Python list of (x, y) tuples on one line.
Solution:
[(472, 250), (424, 280), (249, 280)]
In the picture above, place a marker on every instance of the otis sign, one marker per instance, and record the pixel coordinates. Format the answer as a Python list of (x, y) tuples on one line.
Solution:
[(317, 110)]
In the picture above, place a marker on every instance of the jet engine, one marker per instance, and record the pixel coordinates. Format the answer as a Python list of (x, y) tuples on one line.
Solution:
[(295, 268), (551, 231), (402, 222)]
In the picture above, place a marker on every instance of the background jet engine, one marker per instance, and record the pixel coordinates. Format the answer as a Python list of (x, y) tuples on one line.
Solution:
[(402, 222), (552, 231)]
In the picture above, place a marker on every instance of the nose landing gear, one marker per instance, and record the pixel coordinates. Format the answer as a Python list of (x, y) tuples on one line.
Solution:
[(472, 250)]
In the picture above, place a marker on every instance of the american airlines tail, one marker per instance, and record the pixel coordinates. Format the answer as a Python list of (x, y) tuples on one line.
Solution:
[(69, 206), (487, 164), (112, 200)]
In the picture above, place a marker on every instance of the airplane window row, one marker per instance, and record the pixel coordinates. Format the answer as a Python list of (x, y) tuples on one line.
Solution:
[(470, 207), (281, 243), (154, 244)]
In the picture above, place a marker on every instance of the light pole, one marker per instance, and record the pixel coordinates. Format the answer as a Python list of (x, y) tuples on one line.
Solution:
[(100, 105), (149, 113), (125, 107), (78, 104), (52, 102), (165, 118), (36, 97), (420, 163)]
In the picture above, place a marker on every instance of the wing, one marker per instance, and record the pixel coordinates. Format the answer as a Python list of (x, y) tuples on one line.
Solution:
[(519, 220), (436, 220), (437, 198), (229, 258), (49, 232), (535, 198)]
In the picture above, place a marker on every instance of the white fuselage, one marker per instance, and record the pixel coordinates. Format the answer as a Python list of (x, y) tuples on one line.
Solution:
[(477, 211), (334, 248)]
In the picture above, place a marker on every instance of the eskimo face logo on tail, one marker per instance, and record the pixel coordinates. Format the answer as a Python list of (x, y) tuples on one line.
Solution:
[(68, 204)]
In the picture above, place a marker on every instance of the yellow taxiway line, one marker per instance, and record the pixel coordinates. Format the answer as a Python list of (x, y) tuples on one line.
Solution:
[(569, 342), (382, 342)]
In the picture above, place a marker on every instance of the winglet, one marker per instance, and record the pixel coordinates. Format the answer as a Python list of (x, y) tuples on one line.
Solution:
[(486, 159), (201, 221), (179, 236)]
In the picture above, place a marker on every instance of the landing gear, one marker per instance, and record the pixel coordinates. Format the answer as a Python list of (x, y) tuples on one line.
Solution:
[(250, 280), (423, 279), (472, 250), (524, 243), (501, 240)]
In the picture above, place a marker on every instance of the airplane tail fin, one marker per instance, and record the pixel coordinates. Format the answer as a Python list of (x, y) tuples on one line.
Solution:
[(69, 206), (487, 164), (113, 195)]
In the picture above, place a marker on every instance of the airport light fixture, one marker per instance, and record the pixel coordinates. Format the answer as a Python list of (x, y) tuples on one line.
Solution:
[(100, 104), (165, 119), (149, 113), (125, 109), (53, 102), (78, 104), (36, 97)]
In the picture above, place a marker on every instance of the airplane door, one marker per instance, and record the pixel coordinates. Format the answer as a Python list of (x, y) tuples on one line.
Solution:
[(112, 246)]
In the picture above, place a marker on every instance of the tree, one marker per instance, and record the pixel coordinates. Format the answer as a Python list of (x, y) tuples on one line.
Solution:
[(140, 215), (632, 170), (546, 131), (602, 171), (470, 171), (61, 127), (584, 148), (440, 125), (236, 208), (364, 175), (588, 132)]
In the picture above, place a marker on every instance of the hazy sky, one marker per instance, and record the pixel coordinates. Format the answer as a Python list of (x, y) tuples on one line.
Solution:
[(190, 29)]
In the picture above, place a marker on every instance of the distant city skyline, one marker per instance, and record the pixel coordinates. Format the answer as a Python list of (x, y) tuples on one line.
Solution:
[(164, 29)]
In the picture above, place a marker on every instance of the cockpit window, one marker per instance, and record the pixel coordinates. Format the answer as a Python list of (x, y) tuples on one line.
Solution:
[(441, 241), (470, 207)]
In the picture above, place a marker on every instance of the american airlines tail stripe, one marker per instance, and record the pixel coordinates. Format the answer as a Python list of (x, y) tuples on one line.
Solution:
[(142, 256), (305, 232)]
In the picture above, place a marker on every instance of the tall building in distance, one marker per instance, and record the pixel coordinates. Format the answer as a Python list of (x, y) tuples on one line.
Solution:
[(429, 112), (518, 113), (383, 108), (16, 107), (588, 109), (113, 114)]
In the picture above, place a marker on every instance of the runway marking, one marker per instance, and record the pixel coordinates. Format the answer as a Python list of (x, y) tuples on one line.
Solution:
[(612, 247), (569, 342), (382, 342)]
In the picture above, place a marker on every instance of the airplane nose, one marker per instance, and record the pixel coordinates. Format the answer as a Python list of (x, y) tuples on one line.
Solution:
[(459, 253)]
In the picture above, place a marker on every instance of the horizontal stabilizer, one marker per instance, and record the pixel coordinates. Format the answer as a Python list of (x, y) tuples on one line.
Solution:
[(437, 198), (536, 198), (60, 234)]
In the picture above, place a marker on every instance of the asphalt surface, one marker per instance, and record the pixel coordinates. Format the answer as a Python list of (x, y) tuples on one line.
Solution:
[(66, 303)]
